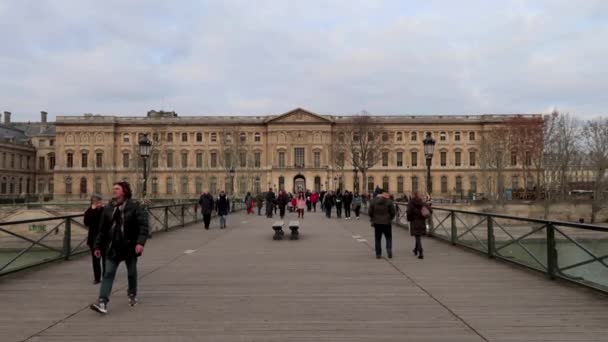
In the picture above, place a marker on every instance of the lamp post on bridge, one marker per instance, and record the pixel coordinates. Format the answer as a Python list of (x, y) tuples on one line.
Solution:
[(429, 148), (145, 146)]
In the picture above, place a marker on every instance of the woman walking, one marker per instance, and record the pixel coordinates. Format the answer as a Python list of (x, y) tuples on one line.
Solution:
[(249, 203), (417, 214), (301, 204)]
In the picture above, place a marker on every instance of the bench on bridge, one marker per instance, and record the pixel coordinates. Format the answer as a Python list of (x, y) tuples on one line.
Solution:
[(277, 226), (294, 226)]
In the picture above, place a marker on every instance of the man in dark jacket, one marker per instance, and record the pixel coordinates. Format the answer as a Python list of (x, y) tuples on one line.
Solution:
[(223, 206), (282, 201), (92, 218), (123, 231), (206, 203), (270, 202), (348, 201), (382, 213), (339, 201), (328, 203)]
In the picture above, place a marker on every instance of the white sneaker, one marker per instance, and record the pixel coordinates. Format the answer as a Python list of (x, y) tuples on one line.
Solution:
[(100, 307)]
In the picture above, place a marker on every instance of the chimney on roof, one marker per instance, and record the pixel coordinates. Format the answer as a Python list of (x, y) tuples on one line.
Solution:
[(7, 118), (43, 117)]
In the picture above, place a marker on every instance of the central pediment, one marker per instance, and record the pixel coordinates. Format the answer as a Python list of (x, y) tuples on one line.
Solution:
[(299, 115)]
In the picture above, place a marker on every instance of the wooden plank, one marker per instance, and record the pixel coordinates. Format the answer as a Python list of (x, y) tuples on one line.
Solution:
[(240, 285)]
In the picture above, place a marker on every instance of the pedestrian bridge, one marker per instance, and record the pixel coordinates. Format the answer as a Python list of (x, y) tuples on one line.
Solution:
[(238, 284)]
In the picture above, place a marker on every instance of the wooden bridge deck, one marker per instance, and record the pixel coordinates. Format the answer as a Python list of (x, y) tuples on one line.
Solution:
[(240, 285)]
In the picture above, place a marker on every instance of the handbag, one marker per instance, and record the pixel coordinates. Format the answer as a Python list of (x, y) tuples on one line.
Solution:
[(425, 212)]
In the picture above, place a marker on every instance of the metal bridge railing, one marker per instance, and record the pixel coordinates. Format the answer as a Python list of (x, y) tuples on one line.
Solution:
[(571, 251), (28, 243)]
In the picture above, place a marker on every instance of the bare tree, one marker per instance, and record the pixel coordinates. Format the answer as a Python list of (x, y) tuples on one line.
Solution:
[(361, 140), (526, 141), (235, 153), (596, 140), (492, 160)]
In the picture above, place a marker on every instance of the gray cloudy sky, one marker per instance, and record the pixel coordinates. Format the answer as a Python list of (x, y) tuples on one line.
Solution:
[(332, 57)]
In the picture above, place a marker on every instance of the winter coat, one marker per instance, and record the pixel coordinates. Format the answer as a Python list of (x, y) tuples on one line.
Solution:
[(259, 200), (134, 231), (92, 219), (223, 205), (357, 201), (282, 200), (414, 216), (339, 200), (206, 203), (301, 203), (381, 211)]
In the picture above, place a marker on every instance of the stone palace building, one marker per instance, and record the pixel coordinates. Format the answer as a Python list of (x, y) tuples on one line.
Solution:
[(78, 155)]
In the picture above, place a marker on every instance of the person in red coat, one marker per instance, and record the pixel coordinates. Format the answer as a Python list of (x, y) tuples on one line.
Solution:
[(314, 198)]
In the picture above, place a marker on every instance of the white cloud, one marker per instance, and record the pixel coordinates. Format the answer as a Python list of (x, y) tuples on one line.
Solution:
[(262, 57)]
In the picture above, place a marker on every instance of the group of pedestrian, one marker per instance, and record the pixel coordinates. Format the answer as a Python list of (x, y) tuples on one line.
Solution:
[(382, 211), (347, 201), (208, 204)]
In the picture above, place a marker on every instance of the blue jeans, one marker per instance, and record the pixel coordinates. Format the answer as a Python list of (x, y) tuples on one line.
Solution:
[(108, 278), (222, 221)]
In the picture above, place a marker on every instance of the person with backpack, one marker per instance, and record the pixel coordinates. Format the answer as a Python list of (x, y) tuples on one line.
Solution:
[(357, 204), (339, 202), (418, 212)]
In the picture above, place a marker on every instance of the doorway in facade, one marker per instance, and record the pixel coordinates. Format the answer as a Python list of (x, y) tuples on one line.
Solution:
[(299, 184)]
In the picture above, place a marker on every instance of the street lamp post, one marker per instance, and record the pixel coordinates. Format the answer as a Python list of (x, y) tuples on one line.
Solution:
[(429, 148), (232, 171), (145, 146)]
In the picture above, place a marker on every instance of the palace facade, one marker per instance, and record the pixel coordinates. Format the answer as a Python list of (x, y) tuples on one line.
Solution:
[(253, 153)]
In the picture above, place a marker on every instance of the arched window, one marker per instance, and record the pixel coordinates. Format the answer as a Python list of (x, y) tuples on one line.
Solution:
[(399, 136), (243, 185), (169, 186), (98, 185), (458, 184), (414, 184), (155, 186), (83, 186), (385, 183), (444, 184), (213, 185), (318, 184), (414, 136), (400, 189), (184, 185), (370, 184), (199, 185), (258, 187), (385, 137)]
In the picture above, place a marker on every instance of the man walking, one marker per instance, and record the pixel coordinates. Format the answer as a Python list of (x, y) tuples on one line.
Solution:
[(223, 206), (123, 231), (92, 218), (348, 201), (382, 213), (206, 203), (270, 203), (259, 201), (282, 201)]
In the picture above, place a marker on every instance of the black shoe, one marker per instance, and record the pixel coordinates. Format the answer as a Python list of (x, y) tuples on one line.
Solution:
[(390, 255), (415, 251), (207, 228), (378, 256), (95, 282), (132, 300), (421, 256)]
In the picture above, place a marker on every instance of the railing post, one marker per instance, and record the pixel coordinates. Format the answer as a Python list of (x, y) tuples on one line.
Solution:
[(491, 240), (67, 238), (454, 234), (551, 252), (167, 218), (183, 215)]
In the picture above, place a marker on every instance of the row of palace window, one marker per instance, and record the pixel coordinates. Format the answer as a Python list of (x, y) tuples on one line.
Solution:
[(16, 186), (415, 184), (15, 161), (399, 136), (199, 137), (399, 158), (242, 183), (241, 160)]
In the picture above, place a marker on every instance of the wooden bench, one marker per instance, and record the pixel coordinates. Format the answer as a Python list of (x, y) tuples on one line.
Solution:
[(294, 226), (277, 226)]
